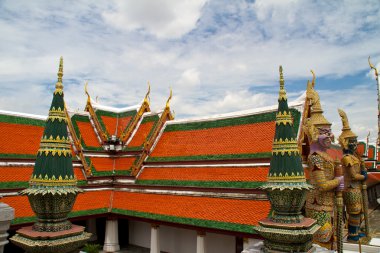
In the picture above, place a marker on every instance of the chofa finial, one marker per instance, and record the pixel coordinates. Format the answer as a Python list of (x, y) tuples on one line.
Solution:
[(147, 98), (372, 67), (169, 98)]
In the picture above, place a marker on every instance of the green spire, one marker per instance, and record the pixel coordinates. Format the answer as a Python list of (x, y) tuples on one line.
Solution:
[(286, 169), (53, 165)]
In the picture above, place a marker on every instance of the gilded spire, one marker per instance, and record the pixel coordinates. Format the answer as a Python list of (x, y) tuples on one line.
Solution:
[(282, 92), (59, 85), (286, 169), (313, 81), (346, 130)]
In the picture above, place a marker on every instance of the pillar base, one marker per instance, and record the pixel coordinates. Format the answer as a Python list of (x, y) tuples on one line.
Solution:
[(287, 237), (66, 241)]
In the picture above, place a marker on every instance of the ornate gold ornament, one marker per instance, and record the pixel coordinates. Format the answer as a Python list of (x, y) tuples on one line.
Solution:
[(346, 130), (286, 146), (53, 181), (284, 118), (316, 119)]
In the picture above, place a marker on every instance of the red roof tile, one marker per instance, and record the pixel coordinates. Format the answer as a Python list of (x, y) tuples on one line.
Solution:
[(112, 123), (240, 139), (87, 133), (141, 134), (215, 209), (22, 174), (19, 138), (243, 174), (15, 174), (92, 200)]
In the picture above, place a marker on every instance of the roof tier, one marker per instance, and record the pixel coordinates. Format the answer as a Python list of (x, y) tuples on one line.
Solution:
[(241, 137)]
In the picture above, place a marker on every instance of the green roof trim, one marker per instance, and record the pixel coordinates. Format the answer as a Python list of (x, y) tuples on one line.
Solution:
[(189, 221), (210, 157), (13, 119), (18, 156), (208, 184), (14, 185), (251, 119)]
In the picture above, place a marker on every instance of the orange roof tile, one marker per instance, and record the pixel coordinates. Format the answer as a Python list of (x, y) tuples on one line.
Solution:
[(244, 174), (85, 201), (87, 133), (92, 200), (141, 134), (215, 209), (371, 153), (20, 204), (113, 123), (110, 163), (373, 178), (361, 147), (15, 174), (240, 139), (20, 138)]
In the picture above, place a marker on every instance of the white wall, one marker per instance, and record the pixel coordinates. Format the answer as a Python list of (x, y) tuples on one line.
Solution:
[(220, 243), (179, 240), (139, 233)]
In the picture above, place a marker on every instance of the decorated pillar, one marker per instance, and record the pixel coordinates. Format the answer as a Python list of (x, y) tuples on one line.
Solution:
[(111, 240), (286, 229), (7, 214), (53, 188), (201, 246), (155, 239)]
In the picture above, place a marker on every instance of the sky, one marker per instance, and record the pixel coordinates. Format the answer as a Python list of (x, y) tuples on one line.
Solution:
[(217, 56)]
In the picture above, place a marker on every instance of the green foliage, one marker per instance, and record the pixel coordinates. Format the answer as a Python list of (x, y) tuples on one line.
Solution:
[(91, 248)]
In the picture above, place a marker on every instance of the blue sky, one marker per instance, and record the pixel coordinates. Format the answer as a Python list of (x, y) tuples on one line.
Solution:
[(218, 56)]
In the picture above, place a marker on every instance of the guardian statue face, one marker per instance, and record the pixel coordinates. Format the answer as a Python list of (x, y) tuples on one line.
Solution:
[(352, 144), (325, 137)]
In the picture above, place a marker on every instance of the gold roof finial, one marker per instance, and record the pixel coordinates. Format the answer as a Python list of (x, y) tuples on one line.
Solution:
[(282, 92), (58, 84), (86, 91), (147, 98), (313, 81), (372, 67), (346, 130), (169, 98)]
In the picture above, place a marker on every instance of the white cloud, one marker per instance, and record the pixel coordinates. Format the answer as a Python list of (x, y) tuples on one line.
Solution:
[(219, 56), (164, 18), (189, 79)]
